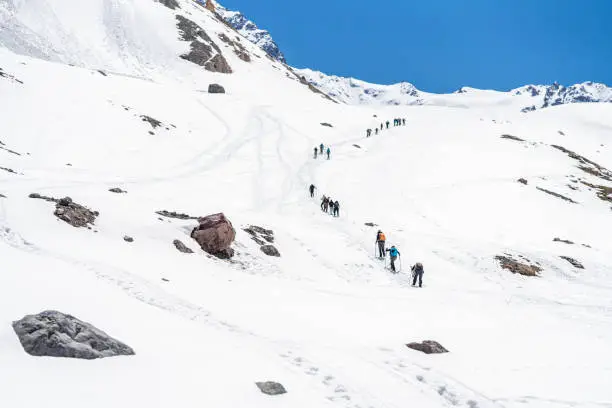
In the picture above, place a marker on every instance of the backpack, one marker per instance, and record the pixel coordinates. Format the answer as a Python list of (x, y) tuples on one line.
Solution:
[(418, 267), (381, 237)]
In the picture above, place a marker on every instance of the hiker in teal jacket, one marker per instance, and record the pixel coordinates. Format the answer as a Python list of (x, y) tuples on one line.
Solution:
[(393, 254)]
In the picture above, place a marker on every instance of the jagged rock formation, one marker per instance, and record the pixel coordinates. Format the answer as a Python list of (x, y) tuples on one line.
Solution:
[(204, 51), (428, 347)]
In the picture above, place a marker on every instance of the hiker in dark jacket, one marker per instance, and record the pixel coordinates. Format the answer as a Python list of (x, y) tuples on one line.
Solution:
[(376, 130), (404, 121), (369, 132), (312, 190), (387, 124), (324, 203), (321, 147), (336, 209), (417, 273), (316, 151)]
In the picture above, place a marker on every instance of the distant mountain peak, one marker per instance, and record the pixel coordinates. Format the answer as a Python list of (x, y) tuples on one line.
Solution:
[(248, 29)]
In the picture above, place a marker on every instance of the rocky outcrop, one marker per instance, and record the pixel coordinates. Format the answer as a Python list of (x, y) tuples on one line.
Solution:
[(74, 214), (204, 52), (523, 181), (511, 137), (56, 334), (575, 263), (239, 49), (171, 4), (151, 121), (561, 196), (428, 347), (117, 190), (174, 214), (10, 77), (270, 250), (524, 268), (182, 247), (565, 241), (271, 388), (259, 234), (127, 238), (216, 89), (69, 211), (215, 235)]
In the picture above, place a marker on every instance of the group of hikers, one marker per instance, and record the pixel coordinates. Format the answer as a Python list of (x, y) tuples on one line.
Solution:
[(417, 269), (319, 151), (396, 122), (328, 205)]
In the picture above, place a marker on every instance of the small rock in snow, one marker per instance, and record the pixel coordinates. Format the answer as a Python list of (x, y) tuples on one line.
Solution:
[(216, 89), (428, 347), (128, 239), (270, 250), (271, 388)]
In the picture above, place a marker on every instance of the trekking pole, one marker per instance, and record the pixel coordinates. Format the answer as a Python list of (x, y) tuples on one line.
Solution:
[(400, 263)]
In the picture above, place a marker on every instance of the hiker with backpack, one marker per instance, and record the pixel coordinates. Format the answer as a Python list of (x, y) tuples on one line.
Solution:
[(393, 254), (380, 241), (336, 209), (417, 273), (316, 151), (324, 203), (321, 147), (404, 121), (376, 131), (332, 205), (328, 153), (312, 189), (369, 133), (387, 124)]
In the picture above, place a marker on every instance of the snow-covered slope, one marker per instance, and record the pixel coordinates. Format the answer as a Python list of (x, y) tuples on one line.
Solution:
[(326, 319), (527, 98)]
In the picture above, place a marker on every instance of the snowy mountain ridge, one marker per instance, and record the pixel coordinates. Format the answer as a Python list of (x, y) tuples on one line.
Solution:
[(260, 37), (530, 97)]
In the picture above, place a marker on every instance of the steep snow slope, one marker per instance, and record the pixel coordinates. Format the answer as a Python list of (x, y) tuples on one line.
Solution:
[(170, 41), (326, 319), (527, 98)]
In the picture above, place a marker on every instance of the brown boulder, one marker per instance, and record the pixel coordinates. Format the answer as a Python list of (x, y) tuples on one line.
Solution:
[(215, 235)]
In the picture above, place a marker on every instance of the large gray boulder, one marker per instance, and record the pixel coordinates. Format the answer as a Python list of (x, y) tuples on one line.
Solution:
[(271, 388), (215, 234), (56, 334)]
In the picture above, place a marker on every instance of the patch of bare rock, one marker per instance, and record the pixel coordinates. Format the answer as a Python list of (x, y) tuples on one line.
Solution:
[(565, 241), (70, 212), (117, 190), (203, 50), (576, 264), (264, 238), (173, 214), (511, 137), (182, 247), (428, 347), (561, 196), (271, 388), (523, 267)]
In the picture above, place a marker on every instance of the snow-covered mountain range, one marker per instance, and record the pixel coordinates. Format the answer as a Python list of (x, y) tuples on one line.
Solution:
[(113, 144), (528, 98)]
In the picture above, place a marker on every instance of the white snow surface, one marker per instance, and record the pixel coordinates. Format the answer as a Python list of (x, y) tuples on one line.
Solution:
[(530, 97), (327, 320)]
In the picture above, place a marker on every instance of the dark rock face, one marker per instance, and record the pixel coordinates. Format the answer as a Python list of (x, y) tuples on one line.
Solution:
[(574, 262), (270, 250), (182, 247), (326, 124), (174, 214), (239, 49), (271, 388), (215, 234), (428, 347), (260, 234), (565, 241), (518, 139), (171, 4), (152, 121), (561, 196), (523, 181), (216, 89), (117, 190), (55, 334), (514, 266), (74, 214), (204, 52)]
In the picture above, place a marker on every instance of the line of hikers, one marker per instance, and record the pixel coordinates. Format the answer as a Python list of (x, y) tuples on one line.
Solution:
[(417, 269), (396, 122), (319, 151), (328, 205)]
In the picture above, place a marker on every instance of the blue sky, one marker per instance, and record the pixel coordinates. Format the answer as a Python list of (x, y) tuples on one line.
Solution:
[(441, 45)]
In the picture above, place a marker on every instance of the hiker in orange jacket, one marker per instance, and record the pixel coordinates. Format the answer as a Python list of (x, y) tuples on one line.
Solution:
[(380, 240)]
